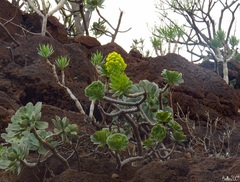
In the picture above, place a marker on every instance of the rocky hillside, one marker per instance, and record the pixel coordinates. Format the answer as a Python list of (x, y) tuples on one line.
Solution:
[(26, 77)]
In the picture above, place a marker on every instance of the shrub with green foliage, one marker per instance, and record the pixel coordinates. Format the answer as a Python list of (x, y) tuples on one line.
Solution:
[(139, 116), (138, 112), (27, 132)]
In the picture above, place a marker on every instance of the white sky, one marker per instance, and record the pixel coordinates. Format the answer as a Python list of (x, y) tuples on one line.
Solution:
[(140, 15)]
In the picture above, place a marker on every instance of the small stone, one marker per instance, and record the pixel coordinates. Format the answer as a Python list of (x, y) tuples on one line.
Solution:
[(87, 41), (135, 53), (114, 176)]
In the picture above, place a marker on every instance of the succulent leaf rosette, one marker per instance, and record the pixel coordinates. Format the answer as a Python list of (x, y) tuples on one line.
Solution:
[(115, 64)]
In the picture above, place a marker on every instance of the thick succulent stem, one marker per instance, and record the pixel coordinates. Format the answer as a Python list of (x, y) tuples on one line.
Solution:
[(50, 147)]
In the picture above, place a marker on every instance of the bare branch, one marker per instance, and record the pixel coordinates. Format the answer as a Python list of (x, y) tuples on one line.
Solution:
[(116, 30), (6, 30)]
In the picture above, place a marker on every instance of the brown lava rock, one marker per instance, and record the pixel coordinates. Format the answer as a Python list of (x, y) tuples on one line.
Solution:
[(26, 77)]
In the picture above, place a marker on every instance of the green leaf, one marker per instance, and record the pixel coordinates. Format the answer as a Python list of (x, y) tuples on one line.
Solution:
[(29, 108), (4, 164), (158, 133), (95, 91), (117, 142), (156, 42), (216, 42), (175, 126), (148, 143), (65, 122), (62, 62), (11, 158), (173, 78), (97, 58), (233, 41), (66, 130), (57, 122), (38, 108), (151, 103), (100, 137), (32, 142), (98, 28), (42, 150), (220, 35), (41, 125), (101, 69), (237, 57), (22, 122), (92, 4), (120, 84), (164, 116), (178, 136), (2, 149), (45, 50), (150, 88), (73, 127)]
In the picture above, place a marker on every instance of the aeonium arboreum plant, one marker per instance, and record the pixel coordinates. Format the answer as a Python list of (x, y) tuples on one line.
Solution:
[(115, 64), (27, 132), (138, 111), (46, 50)]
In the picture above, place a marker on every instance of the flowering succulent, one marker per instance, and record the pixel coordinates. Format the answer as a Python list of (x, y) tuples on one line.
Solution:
[(115, 64), (133, 104)]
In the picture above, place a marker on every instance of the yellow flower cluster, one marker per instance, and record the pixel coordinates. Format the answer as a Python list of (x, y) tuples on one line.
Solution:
[(115, 64)]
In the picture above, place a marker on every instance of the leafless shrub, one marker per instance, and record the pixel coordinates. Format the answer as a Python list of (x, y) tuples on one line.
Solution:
[(209, 140)]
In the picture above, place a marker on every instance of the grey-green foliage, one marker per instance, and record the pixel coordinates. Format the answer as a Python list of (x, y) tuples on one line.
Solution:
[(11, 157), (165, 124), (98, 28), (164, 36), (139, 45), (72, 16), (225, 50), (22, 122), (151, 103), (27, 132), (206, 33)]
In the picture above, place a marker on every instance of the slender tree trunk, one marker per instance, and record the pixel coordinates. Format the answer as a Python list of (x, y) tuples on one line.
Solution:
[(44, 25), (169, 46), (81, 7), (77, 18), (216, 70), (88, 15), (45, 15), (156, 51), (225, 71)]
